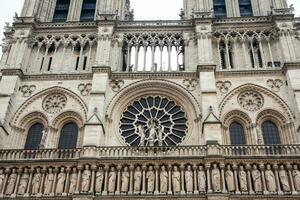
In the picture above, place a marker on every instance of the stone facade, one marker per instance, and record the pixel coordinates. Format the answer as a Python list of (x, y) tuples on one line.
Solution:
[(111, 108)]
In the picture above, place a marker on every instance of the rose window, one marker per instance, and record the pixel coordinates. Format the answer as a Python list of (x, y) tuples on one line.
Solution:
[(54, 103), (153, 121), (251, 100)]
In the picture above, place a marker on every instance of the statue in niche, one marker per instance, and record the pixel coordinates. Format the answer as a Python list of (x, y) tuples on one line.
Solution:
[(11, 182), (257, 181), (270, 180), (150, 176), (189, 179), (243, 179), (60, 182), (125, 180), (160, 135), (216, 178), (229, 176), (86, 179), (164, 177), (112, 178), (73, 181), (23, 182), (141, 133), (284, 179), (44, 139), (152, 132), (99, 180), (137, 180), (48, 184), (201, 180), (2, 177), (296, 176), (176, 180), (36, 181)]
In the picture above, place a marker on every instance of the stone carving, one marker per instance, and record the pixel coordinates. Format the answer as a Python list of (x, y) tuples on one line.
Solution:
[(24, 180), (243, 179), (150, 176), (216, 178), (85, 89), (296, 176), (116, 85), (223, 86), (164, 177), (229, 176), (99, 180), (73, 181), (189, 179), (11, 183), (49, 180), (251, 101), (142, 135), (201, 180), (284, 179), (257, 181), (176, 180), (36, 181), (275, 84), (190, 84), (112, 178), (60, 182), (54, 103), (137, 180), (44, 139), (125, 181), (86, 179), (27, 90), (2, 177), (270, 180)]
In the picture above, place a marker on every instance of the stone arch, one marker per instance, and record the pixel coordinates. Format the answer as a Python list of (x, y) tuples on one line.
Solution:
[(32, 118)]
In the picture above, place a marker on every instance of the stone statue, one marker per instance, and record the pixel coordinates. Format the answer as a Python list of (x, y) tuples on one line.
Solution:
[(23, 183), (176, 180), (137, 180), (112, 179), (201, 180), (150, 176), (296, 176), (161, 131), (86, 179), (73, 181), (2, 177), (270, 180), (36, 182), (60, 182), (141, 133), (229, 176), (152, 132), (11, 183), (164, 177), (257, 182), (189, 179), (216, 178), (243, 179), (44, 139), (125, 181), (99, 180), (48, 184), (284, 179)]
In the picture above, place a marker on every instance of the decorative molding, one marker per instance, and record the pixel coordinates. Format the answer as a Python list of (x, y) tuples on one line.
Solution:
[(27, 90), (116, 85), (251, 100), (275, 84), (223, 86), (54, 103), (158, 75), (85, 89), (190, 84)]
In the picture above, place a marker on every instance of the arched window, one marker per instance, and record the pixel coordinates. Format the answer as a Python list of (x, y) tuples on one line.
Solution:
[(68, 136), (88, 10), (34, 137), (270, 133), (237, 134), (219, 8), (245, 8), (61, 11)]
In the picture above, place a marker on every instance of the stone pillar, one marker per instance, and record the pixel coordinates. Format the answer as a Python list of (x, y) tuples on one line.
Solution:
[(144, 168), (170, 180), (248, 168), (93, 168), (67, 184), (119, 168), (222, 167), (289, 168), (208, 177), (234, 167), (182, 168), (31, 171), (195, 168), (105, 192), (156, 191), (131, 169), (262, 169), (78, 179), (275, 167)]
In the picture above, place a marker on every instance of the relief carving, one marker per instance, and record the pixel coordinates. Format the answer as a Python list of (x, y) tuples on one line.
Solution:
[(54, 103), (85, 89), (251, 101), (275, 84), (223, 86), (27, 90)]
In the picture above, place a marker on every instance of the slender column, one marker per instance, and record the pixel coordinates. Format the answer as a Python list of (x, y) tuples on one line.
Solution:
[(219, 52), (128, 58), (248, 168), (144, 168), (234, 167), (222, 167), (43, 171), (31, 171), (195, 167), (63, 56), (289, 168), (45, 60), (106, 168), (236, 64), (19, 172), (177, 58), (169, 58), (88, 63), (136, 67), (275, 167), (131, 168), (156, 191), (119, 167), (227, 54), (78, 179), (262, 53), (152, 58), (68, 170), (271, 53), (182, 178), (170, 180), (262, 169), (161, 58), (145, 58), (93, 168), (253, 55), (245, 52), (37, 56), (207, 167), (6, 172), (56, 170), (80, 64)]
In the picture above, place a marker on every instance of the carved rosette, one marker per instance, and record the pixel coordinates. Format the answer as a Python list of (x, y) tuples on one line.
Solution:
[(275, 84), (116, 85), (85, 89), (190, 84), (223, 86), (54, 103), (251, 101)]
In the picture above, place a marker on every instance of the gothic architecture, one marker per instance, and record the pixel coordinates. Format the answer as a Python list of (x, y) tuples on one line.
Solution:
[(97, 105)]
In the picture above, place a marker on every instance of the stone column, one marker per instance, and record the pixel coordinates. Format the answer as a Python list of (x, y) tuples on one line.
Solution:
[(66, 190), (289, 168), (222, 167), (106, 168), (182, 168), (170, 179), (248, 168), (156, 191), (78, 179), (31, 171), (119, 168), (131, 169), (19, 172), (6, 172), (144, 168), (208, 177), (195, 168), (43, 171), (262, 169), (234, 167), (275, 167), (93, 168)]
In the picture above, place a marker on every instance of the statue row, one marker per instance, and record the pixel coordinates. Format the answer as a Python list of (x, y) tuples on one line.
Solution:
[(151, 179)]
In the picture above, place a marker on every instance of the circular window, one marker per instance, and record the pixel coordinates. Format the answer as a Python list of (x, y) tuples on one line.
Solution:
[(153, 121)]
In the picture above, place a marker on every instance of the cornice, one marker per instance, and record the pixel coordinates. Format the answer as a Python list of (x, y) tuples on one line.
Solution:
[(54, 77), (153, 75), (206, 68), (12, 72), (252, 72), (290, 66)]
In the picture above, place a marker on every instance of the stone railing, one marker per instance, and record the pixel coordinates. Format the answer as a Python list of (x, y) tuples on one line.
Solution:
[(154, 23)]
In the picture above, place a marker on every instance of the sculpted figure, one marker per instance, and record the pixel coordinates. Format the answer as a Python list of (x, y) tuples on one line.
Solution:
[(86, 179), (243, 179), (296, 176), (161, 131), (36, 181), (229, 176), (48, 184), (216, 178), (60, 182), (176, 180), (163, 180), (141, 133), (2, 176), (189, 179), (125, 180), (44, 139), (284, 179), (137, 180), (270, 180), (150, 176), (23, 182), (112, 178), (201, 180), (152, 133), (11, 183), (257, 182), (73, 181), (99, 180)]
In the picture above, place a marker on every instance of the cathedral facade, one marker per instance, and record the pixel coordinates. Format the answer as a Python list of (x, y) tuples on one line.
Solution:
[(97, 105)]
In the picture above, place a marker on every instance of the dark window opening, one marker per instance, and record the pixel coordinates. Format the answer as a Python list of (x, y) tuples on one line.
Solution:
[(270, 133), (237, 134), (84, 63), (34, 137), (61, 11), (245, 8), (50, 63), (220, 8), (88, 10), (43, 59), (68, 136), (77, 63)]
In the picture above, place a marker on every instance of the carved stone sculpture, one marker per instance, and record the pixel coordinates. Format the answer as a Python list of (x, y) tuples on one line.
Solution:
[(189, 179), (284, 179), (270, 180), (86, 179), (125, 180), (2, 177), (257, 182), (11, 183), (163, 180), (99, 180), (60, 182), (73, 181), (36, 181), (229, 176), (150, 176), (112, 178), (216, 178), (176, 180), (243, 180), (296, 176), (48, 184), (137, 180), (201, 180), (23, 183)]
